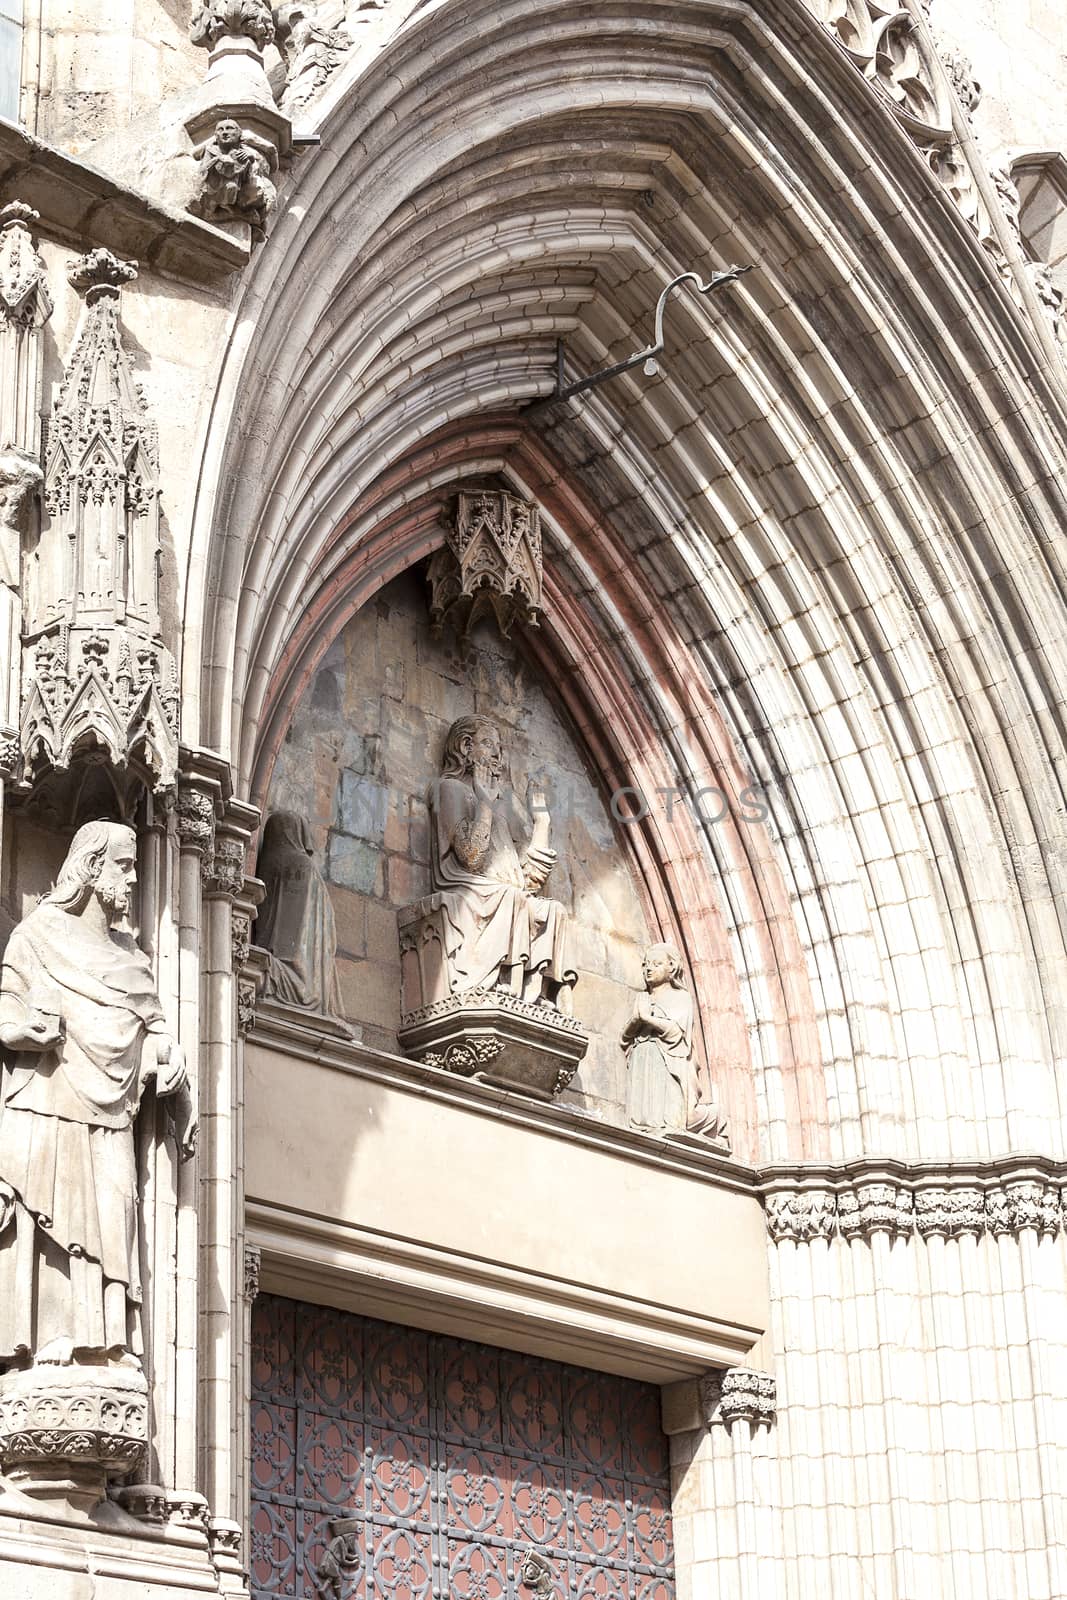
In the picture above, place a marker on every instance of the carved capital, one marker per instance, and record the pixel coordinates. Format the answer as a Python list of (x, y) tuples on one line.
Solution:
[(247, 995), (1024, 1203), (875, 1208), (739, 1394), (947, 1213), (240, 937), (806, 1215), (10, 754), (224, 867), (195, 813)]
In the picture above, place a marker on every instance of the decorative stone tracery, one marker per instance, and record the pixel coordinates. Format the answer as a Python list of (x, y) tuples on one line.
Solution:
[(96, 673), (491, 562)]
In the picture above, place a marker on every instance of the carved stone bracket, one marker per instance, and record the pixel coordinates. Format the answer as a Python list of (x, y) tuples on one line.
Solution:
[(67, 1431), (931, 1208), (497, 1038), (739, 1394), (97, 676), (239, 135), (225, 1540), (491, 562)]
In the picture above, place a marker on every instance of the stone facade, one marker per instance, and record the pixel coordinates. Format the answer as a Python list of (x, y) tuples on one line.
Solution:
[(773, 620)]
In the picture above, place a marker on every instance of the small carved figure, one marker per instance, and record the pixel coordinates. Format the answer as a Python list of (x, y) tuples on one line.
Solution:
[(659, 1041), (235, 168), (296, 922), (81, 1019), (500, 931), (311, 52)]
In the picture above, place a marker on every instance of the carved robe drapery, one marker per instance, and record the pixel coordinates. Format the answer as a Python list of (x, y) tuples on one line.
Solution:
[(659, 1065), (493, 921), (69, 1248), (296, 922)]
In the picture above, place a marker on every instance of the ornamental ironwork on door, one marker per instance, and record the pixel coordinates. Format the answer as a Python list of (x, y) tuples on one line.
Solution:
[(391, 1464)]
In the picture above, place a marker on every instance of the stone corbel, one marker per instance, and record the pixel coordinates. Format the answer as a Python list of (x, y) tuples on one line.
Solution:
[(238, 133)]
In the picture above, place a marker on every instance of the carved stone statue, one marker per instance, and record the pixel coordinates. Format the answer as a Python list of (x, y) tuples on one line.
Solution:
[(296, 922), (659, 1045), (81, 1020), (489, 858), (311, 52), (235, 169), (663, 1093)]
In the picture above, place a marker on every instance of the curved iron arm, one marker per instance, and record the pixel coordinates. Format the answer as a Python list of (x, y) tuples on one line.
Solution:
[(648, 355)]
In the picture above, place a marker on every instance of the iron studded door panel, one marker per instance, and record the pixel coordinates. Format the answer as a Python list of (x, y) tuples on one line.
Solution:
[(390, 1464)]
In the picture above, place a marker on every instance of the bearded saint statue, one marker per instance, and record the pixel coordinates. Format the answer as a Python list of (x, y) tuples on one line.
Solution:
[(489, 858), (84, 1035)]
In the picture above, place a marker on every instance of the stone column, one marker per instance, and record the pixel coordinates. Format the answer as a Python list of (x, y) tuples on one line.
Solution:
[(219, 834), (724, 1483)]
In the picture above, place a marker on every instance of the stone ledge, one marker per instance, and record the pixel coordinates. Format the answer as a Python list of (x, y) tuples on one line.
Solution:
[(83, 207), (277, 1027), (56, 1561)]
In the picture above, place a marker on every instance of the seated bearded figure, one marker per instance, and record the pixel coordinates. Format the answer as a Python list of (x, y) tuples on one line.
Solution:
[(489, 858)]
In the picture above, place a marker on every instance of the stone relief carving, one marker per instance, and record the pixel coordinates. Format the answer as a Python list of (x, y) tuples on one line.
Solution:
[(96, 671), (662, 1089), (84, 1032), (295, 924), (311, 52), (235, 170), (490, 564), (903, 1209), (484, 955)]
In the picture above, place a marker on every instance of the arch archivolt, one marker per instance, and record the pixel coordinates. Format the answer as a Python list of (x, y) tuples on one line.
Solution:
[(783, 560)]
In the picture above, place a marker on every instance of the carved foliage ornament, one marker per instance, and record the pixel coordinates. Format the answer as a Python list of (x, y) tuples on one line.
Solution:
[(96, 672), (491, 562), (235, 19), (900, 1210), (739, 1394)]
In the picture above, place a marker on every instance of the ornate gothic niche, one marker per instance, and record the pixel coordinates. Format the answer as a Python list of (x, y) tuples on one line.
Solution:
[(99, 686), (362, 748), (490, 563)]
